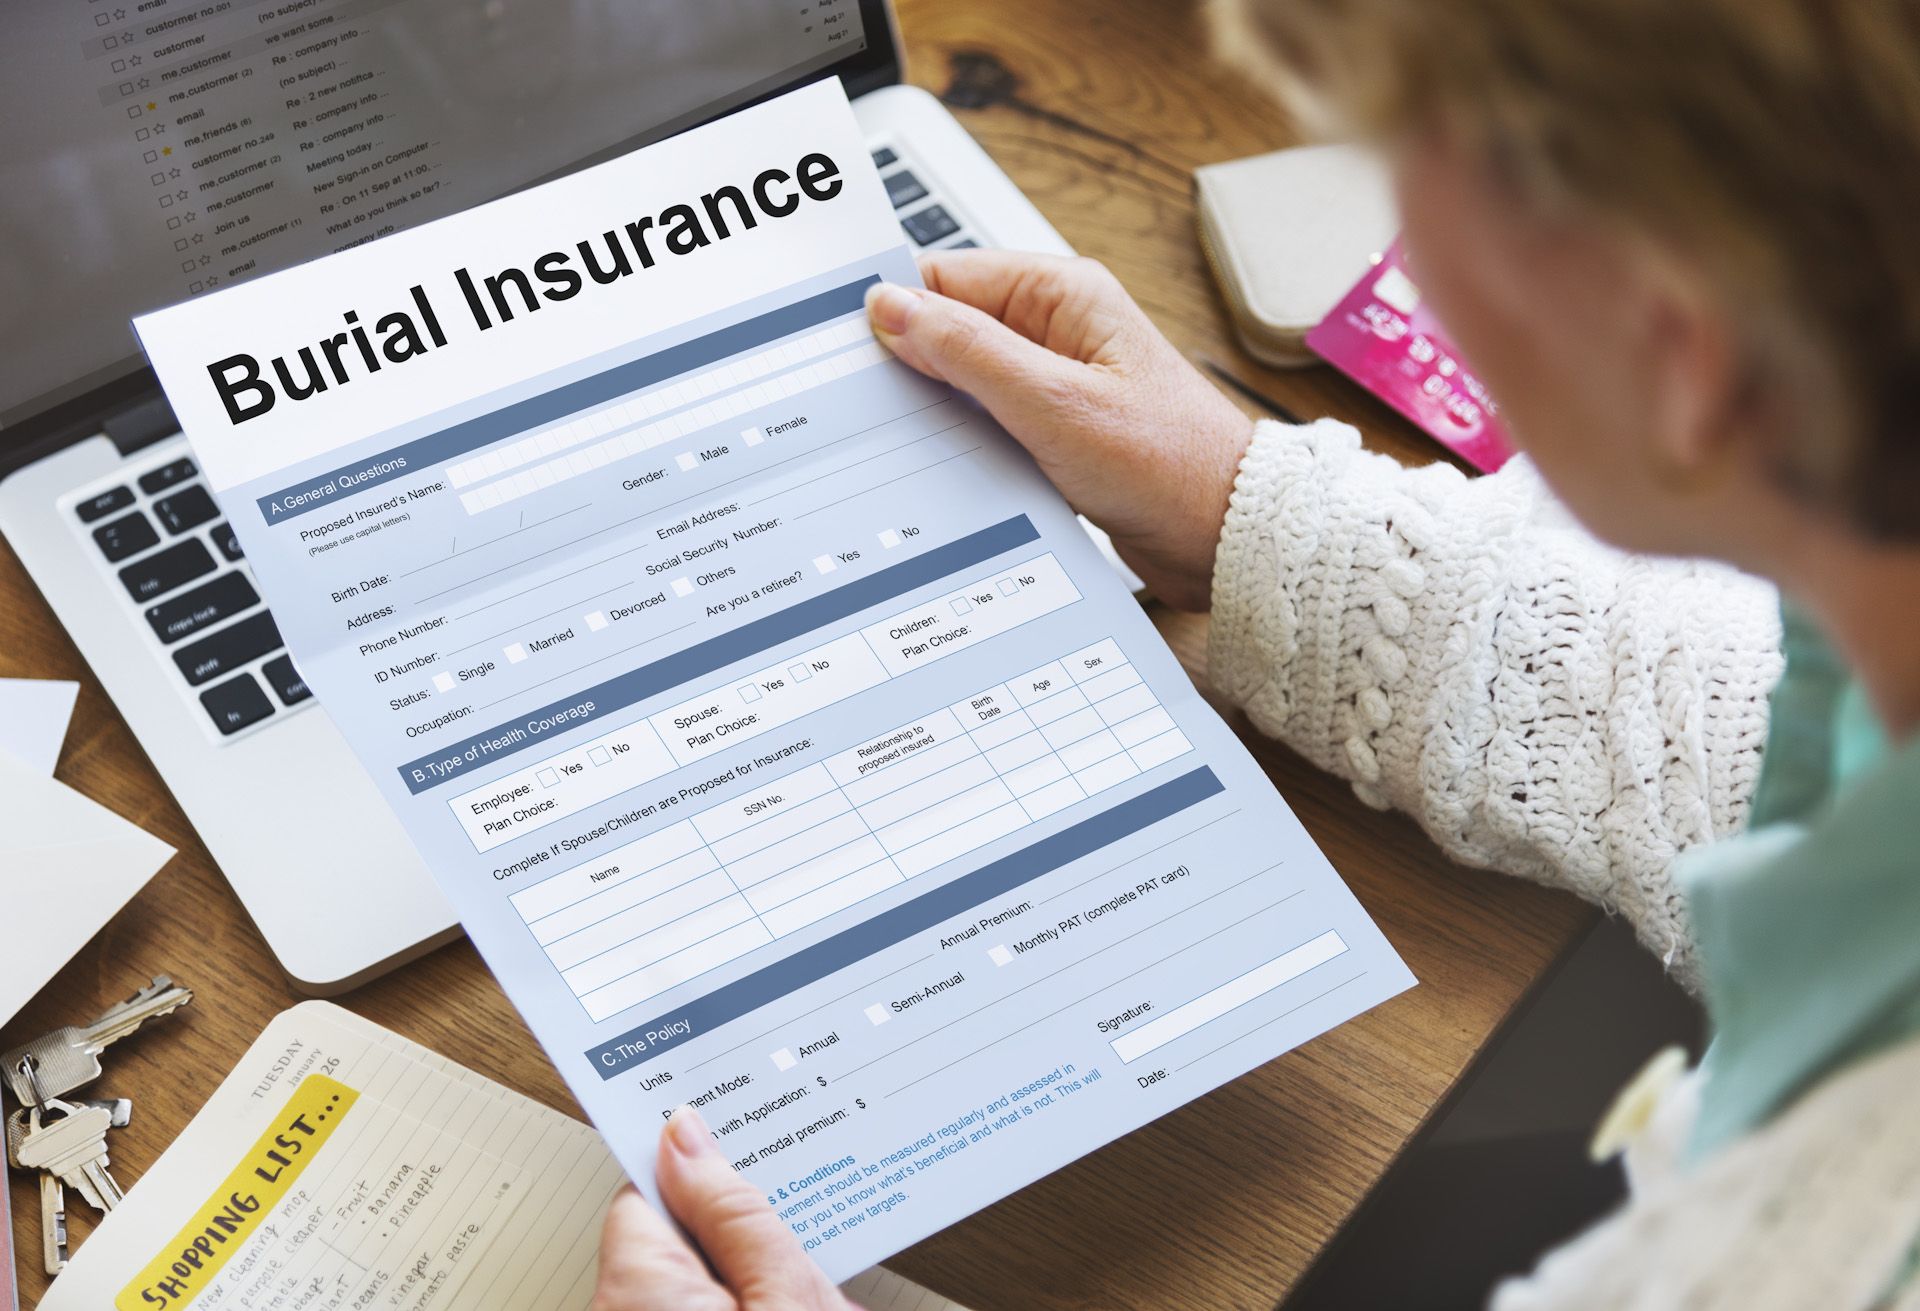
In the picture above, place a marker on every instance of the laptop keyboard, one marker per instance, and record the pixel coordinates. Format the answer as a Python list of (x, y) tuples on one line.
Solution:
[(180, 563), (926, 221)]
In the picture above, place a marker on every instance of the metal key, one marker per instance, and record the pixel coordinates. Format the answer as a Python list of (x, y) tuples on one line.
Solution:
[(69, 1057), (73, 1146), (119, 1108), (53, 1224)]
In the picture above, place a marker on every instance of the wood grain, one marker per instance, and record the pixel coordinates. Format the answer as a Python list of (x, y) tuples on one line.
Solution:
[(1100, 112)]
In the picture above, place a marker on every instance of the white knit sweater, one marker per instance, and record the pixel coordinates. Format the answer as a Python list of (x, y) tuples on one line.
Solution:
[(1545, 706), (1461, 650)]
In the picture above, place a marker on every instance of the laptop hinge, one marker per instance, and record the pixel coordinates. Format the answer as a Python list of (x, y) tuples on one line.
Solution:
[(140, 426)]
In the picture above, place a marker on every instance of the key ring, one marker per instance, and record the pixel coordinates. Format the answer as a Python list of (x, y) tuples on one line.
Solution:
[(30, 1070)]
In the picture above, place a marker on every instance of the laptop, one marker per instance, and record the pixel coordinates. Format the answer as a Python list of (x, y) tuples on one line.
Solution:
[(163, 150)]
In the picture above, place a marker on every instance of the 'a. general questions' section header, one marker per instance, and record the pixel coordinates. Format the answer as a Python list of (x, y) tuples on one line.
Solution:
[(259, 388), (322, 490)]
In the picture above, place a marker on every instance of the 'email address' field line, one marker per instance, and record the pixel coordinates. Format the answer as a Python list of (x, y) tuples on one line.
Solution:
[(644, 405), (572, 457)]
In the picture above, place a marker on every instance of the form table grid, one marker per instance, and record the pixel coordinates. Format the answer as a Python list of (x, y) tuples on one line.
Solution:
[(719, 884)]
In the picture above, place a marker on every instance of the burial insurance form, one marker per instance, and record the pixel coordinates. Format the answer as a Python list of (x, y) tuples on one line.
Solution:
[(783, 741)]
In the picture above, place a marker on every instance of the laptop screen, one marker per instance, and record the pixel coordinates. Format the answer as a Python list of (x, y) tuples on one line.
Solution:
[(158, 150)]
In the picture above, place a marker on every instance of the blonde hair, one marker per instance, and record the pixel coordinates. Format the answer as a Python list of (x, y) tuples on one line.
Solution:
[(1774, 145)]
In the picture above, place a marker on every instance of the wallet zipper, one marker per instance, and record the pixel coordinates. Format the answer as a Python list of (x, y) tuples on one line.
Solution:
[(1264, 343)]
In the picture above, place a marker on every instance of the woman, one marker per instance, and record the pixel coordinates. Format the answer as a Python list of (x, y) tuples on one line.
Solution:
[(1676, 238)]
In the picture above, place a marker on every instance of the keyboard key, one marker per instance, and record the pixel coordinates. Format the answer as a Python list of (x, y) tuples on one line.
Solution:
[(155, 481), (965, 243), (186, 509), (930, 224), (229, 648), (884, 156), (125, 536), (94, 507), (903, 188), (165, 570), (287, 683), (227, 540), (235, 704), (207, 605)]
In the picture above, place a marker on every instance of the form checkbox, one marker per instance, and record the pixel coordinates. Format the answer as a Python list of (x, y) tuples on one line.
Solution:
[(799, 673), (599, 756), (826, 564), (889, 538), (681, 587), (595, 621), (749, 691), (783, 1060), (547, 778), (961, 605), (878, 1013), (752, 436), (1008, 587), (516, 653), (999, 955), (443, 682), (686, 461)]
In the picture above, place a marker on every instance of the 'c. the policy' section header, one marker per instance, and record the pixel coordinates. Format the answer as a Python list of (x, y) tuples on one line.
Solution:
[(287, 369), (450, 443)]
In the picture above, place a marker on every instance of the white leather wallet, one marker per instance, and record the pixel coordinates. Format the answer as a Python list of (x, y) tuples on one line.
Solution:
[(1287, 234)]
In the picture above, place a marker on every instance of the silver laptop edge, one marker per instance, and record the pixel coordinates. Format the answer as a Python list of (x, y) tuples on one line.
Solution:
[(299, 831)]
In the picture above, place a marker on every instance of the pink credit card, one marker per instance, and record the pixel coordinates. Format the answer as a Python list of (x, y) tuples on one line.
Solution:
[(1385, 339)]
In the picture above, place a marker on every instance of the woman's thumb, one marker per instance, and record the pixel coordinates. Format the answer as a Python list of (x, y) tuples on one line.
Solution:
[(955, 342)]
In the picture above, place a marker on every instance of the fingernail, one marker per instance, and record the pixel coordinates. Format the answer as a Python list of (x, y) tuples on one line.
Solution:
[(689, 1134), (890, 306)]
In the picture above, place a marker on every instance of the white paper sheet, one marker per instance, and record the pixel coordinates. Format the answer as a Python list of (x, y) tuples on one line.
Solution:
[(783, 742), (66, 866), (34, 713)]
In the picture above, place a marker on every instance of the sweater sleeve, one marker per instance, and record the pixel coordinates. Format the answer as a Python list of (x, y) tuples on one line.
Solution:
[(1460, 649)]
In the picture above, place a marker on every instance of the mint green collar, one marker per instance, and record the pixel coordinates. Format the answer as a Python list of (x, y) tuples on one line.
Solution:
[(1808, 926)]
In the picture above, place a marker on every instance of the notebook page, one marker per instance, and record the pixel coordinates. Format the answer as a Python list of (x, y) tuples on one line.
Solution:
[(342, 1166)]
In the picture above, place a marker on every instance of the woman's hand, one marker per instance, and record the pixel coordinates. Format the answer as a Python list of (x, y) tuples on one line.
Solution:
[(1058, 352), (752, 1260)]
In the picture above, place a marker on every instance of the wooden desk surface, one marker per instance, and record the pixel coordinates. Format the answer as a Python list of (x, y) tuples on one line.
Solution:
[(1100, 112)]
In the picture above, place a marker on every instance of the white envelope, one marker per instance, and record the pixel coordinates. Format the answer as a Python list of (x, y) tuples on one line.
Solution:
[(66, 865)]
